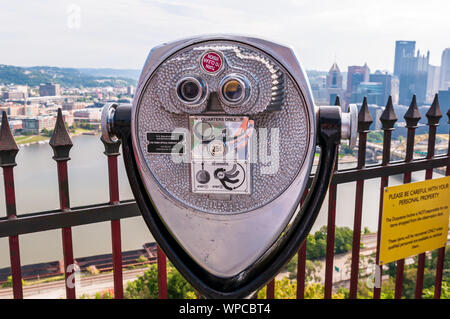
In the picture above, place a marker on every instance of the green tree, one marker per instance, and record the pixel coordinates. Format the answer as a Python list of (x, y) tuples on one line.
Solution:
[(146, 286), (375, 137), (316, 244), (284, 289)]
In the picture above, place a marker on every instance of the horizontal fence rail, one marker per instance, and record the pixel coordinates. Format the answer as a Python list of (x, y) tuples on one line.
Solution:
[(13, 225)]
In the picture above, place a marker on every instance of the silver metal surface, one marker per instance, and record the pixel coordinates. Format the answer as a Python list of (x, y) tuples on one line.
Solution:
[(227, 235), (107, 121), (349, 126)]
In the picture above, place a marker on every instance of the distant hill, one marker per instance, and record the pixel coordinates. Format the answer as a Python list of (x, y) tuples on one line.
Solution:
[(66, 77), (115, 73)]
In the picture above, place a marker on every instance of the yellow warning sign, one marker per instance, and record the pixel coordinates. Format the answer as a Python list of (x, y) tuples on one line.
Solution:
[(415, 218)]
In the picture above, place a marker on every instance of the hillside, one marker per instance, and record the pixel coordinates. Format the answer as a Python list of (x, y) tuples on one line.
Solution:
[(114, 73), (66, 77)]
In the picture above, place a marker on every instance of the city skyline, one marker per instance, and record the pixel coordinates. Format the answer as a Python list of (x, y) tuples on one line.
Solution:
[(101, 34)]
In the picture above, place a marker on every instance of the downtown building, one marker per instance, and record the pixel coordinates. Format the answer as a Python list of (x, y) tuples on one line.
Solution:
[(334, 84), (49, 89), (355, 76), (411, 68), (444, 79)]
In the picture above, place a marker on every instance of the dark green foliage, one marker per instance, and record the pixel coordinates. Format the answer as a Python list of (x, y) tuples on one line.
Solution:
[(146, 286), (66, 77), (375, 137), (316, 244)]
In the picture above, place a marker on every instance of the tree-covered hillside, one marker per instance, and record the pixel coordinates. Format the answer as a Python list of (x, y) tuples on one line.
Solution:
[(66, 77)]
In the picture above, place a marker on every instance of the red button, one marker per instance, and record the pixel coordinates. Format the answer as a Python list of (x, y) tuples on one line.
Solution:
[(211, 62)]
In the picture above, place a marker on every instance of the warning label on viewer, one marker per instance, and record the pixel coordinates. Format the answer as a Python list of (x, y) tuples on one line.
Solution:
[(415, 218)]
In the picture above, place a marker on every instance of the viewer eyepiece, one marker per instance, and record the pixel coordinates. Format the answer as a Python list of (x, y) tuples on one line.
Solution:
[(234, 89), (190, 90)]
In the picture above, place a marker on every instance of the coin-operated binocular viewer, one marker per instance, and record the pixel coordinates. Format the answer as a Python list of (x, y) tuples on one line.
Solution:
[(219, 145)]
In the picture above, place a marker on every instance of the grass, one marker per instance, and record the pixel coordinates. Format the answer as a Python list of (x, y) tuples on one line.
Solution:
[(30, 139), (80, 130)]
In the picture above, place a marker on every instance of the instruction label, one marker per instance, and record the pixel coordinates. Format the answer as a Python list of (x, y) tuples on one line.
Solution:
[(415, 218)]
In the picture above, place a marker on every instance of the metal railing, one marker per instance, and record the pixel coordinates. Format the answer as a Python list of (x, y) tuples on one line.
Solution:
[(66, 217)]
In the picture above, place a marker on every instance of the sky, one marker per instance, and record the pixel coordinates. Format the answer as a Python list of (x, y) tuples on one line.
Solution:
[(119, 34)]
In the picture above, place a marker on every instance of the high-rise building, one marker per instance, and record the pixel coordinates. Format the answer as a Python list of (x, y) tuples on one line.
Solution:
[(373, 91), (444, 82), (355, 75), (432, 82), (49, 89), (444, 103), (334, 83), (389, 87), (403, 49), (412, 71)]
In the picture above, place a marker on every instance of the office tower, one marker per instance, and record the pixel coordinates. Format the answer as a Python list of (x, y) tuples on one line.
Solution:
[(403, 49), (412, 71), (433, 82), (444, 81), (355, 75), (387, 85), (334, 83), (49, 89)]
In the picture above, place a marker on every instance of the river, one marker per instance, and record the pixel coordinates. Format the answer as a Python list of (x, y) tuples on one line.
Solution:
[(36, 188)]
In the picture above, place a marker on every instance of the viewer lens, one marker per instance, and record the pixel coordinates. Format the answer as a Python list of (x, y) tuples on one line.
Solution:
[(233, 90), (189, 90)]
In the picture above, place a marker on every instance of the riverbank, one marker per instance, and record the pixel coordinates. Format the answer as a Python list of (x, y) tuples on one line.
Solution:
[(47, 272), (26, 140)]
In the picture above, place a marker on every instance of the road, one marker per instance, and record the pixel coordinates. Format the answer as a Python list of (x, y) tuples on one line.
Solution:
[(88, 285)]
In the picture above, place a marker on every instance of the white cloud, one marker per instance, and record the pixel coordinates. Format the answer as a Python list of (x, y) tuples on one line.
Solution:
[(120, 33)]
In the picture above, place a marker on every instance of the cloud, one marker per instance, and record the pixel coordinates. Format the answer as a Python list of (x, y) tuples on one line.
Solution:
[(121, 33)]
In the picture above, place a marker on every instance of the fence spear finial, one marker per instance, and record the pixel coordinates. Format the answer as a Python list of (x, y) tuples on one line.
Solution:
[(364, 117), (412, 115), (60, 140), (434, 114), (8, 146), (337, 101), (388, 117)]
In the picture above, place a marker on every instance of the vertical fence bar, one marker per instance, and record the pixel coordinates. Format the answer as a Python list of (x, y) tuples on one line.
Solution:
[(61, 145), (329, 259), (301, 261), (162, 274), (412, 117), (388, 119), (8, 152), (112, 152), (441, 251), (331, 225), (270, 294), (301, 271), (433, 115), (364, 122)]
